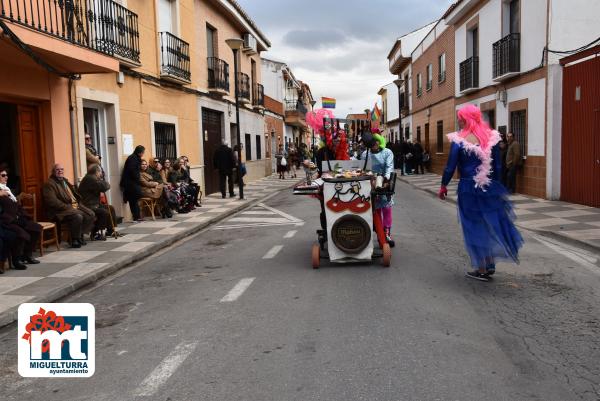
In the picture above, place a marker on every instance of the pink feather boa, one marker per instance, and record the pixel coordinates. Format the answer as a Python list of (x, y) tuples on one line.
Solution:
[(482, 179)]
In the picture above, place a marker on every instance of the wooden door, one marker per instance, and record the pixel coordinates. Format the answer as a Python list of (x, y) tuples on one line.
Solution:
[(211, 132), (32, 156), (580, 170)]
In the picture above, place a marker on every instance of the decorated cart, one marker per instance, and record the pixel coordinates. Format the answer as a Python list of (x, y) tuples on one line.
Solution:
[(350, 230)]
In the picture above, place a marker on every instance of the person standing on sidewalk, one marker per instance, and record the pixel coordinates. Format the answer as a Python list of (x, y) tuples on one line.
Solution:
[(486, 214), (418, 154), (130, 181), (224, 162), (513, 161)]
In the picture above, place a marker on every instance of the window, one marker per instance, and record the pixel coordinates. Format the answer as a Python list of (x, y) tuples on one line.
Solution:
[(258, 148), (441, 67), (165, 141), (167, 13), (473, 42), (429, 76), (211, 41), (248, 146), (440, 137), (419, 85), (514, 17), (419, 134), (518, 126), (407, 132), (490, 117)]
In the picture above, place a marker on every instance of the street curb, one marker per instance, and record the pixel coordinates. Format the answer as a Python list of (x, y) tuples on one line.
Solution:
[(11, 315), (550, 234)]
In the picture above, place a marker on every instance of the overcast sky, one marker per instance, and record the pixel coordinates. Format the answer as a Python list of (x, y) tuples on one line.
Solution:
[(340, 47)]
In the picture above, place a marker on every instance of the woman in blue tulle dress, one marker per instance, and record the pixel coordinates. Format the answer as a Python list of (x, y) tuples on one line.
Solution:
[(486, 214)]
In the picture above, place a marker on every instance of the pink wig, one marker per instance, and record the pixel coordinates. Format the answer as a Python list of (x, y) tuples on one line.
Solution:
[(474, 124), (315, 118)]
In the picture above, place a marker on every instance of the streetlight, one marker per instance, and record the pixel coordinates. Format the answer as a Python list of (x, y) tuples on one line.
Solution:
[(312, 143), (236, 44), (399, 83)]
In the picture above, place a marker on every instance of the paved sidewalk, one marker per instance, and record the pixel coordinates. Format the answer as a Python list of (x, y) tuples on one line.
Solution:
[(577, 224), (63, 272)]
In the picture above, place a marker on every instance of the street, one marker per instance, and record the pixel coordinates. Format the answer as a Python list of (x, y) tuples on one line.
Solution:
[(237, 313)]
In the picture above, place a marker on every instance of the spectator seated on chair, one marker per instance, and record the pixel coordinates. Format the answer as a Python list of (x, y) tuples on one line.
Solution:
[(186, 193), (153, 190), (158, 173), (92, 188), (187, 178), (63, 204), (15, 219)]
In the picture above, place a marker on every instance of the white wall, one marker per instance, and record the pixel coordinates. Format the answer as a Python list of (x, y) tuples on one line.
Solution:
[(391, 111), (573, 23), (533, 32), (272, 79)]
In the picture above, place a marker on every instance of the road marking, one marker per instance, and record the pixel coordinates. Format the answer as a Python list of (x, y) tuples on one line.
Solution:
[(290, 234), (229, 227), (576, 255), (273, 252), (238, 290), (279, 212), (165, 369), (259, 220), (258, 212)]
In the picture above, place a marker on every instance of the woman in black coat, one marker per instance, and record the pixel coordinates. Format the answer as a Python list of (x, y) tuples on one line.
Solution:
[(15, 219), (130, 181)]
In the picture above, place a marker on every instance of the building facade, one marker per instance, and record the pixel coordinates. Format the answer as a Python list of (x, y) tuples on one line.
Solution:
[(503, 64), (432, 100), (400, 64), (272, 74), (44, 56)]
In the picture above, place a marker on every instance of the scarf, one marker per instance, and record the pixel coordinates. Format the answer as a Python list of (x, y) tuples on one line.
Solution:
[(10, 194)]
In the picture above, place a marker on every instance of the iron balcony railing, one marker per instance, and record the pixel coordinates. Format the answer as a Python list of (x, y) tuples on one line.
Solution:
[(441, 77), (507, 55), (101, 25), (469, 73), (258, 98), (218, 74), (175, 56), (243, 85)]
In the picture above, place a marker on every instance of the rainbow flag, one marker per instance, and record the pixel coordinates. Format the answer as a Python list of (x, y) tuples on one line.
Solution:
[(328, 102), (376, 113)]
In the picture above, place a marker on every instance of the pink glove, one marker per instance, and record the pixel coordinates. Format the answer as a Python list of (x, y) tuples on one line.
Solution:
[(443, 192)]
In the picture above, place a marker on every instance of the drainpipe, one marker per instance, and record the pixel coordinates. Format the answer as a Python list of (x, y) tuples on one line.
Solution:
[(72, 124)]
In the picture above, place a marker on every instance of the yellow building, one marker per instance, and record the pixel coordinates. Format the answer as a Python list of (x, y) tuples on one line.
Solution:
[(174, 93)]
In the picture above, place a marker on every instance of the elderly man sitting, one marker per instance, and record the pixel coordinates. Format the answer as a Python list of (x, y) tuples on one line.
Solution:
[(63, 203)]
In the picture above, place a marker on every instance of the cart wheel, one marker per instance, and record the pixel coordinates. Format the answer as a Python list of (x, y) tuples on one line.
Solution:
[(387, 255), (316, 256)]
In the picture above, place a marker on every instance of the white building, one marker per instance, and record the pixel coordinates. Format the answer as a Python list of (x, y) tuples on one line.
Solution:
[(501, 65), (400, 64)]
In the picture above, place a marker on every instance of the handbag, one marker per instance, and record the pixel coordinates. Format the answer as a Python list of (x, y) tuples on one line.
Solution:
[(283, 162)]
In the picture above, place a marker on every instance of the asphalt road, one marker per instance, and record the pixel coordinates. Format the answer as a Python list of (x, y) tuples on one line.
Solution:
[(416, 331)]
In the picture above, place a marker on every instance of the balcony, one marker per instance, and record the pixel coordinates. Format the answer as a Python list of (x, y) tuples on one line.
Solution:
[(243, 81), (100, 25), (469, 75), (258, 97), (218, 76), (441, 77), (295, 113), (507, 57), (175, 58)]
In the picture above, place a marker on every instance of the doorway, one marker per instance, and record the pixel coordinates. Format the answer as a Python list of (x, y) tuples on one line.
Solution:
[(20, 133), (96, 125), (211, 129)]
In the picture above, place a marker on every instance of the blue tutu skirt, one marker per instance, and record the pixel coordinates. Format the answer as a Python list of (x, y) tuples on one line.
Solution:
[(487, 219)]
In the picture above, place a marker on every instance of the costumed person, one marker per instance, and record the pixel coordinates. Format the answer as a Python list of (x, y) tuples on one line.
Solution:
[(486, 214), (382, 163)]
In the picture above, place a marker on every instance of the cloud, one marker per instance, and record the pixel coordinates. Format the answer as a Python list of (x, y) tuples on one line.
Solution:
[(311, 39), (339, 47)]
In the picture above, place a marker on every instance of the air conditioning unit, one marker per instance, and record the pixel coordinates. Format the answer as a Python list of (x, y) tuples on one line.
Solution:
[(249, 44)]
